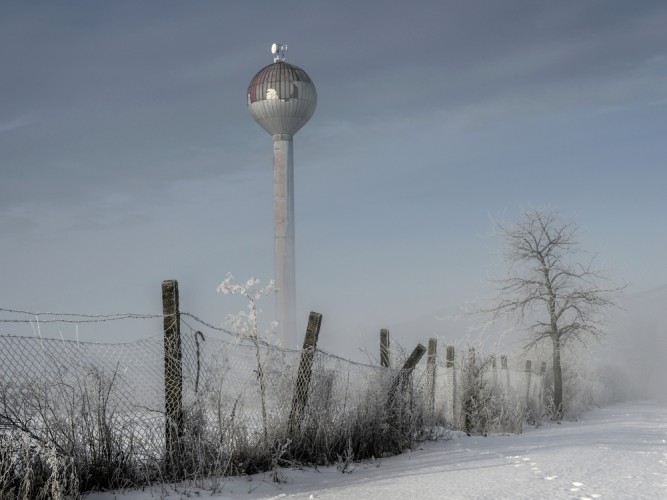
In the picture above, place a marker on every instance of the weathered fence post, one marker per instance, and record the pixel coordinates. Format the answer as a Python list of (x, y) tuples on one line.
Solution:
[(384, 347), (408, 366), (173, 373), (529, 373), (430, 374), (470, 380), (450, 356), (503, 366), (450, 366), (543, 372), (495, 371), (305, 371), (414, 358)]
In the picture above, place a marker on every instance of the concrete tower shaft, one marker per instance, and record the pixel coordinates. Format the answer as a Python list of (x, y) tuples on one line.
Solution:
[(284, 238), (281, 99)]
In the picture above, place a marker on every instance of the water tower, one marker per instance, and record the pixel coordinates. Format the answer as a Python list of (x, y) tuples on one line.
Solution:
[(282, 98)]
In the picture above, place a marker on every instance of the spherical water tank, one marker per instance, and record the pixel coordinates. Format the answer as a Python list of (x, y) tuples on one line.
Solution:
[(281, 98)]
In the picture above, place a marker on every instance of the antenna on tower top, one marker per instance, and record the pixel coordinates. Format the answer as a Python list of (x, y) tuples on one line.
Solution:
[(278, 50)]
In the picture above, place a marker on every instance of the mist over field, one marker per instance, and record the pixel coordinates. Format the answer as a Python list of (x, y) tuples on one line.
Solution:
[(637, 342)]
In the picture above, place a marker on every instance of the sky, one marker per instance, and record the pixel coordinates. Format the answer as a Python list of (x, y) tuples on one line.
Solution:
[(128, 155)]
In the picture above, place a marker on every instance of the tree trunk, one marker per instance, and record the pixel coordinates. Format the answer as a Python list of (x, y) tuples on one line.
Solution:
[(558, 380)]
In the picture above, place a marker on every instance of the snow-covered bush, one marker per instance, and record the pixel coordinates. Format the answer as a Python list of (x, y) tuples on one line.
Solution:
[(485, 406)]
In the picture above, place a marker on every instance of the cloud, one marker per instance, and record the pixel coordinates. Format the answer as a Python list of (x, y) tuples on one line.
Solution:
[(13, 124)]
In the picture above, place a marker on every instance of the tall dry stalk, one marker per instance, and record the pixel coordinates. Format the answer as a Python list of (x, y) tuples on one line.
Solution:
[(245, 324)]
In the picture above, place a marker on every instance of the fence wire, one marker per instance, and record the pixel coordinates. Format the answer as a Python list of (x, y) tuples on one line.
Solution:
[(241, 405)]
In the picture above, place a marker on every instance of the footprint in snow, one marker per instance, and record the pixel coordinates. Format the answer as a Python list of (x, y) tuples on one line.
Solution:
[(522, 461), (576, 486)]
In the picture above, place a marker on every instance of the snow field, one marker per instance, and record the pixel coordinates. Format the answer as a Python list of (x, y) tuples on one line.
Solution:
[(614, 452)]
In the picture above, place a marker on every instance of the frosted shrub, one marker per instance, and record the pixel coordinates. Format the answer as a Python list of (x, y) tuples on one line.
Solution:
[(355, 411), (485, 406), (476, 395), (509, 412), (77, 441), (30, 470)]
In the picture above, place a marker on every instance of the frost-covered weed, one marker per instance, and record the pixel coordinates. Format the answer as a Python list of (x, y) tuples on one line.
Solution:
[(31, 470), (245, 324), (487, 406)]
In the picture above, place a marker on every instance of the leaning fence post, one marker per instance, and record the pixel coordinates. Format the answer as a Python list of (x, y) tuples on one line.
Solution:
[(408, 366), (414, 358), (430, 373), (305, 371), (528, 376), (384, 347), (173, 371)]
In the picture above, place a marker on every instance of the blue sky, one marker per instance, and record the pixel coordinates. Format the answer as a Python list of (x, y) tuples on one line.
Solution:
[(128, 155)]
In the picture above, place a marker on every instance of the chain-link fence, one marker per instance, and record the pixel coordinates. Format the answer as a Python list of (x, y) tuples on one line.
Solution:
[(199, 402), (478, 393)]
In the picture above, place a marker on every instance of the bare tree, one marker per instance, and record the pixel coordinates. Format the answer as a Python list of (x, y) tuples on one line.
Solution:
[(551, 286)]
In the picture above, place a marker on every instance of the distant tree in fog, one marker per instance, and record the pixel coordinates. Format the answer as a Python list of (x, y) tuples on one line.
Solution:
[(551, 286)]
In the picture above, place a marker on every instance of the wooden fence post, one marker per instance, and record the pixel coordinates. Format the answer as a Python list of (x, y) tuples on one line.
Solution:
[(384, 348), (528, 377), (503, 366), (494, 367), (450, 366), (414, 358), (450, 356), (430, 373), (543, 372), (305, 371), (173, 372), (471, 375)]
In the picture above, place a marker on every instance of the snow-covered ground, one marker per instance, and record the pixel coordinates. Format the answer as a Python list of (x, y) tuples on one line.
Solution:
[(614, 452)]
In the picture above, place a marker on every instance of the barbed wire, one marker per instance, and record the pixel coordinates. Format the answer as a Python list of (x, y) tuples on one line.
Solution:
[(56, 317), (79, 318), (260, 341), (209, 325)]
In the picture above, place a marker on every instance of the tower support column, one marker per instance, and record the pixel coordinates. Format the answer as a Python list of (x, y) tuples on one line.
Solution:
[(283, 214)]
